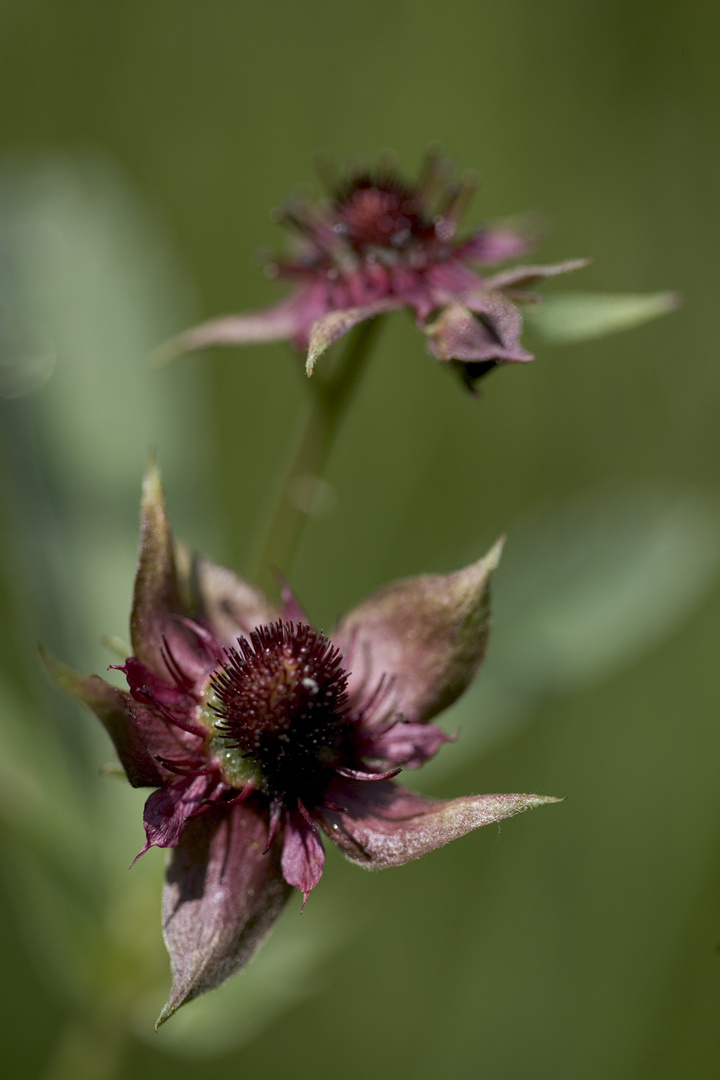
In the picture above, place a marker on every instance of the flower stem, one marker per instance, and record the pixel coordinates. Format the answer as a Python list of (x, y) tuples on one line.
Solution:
[(289, 502)]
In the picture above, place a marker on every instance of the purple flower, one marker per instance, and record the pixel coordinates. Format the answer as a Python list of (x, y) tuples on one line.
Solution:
[(259, 734), (379, 245)]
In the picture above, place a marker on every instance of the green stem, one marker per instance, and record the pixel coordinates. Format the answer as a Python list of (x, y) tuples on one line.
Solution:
[(283, 520)]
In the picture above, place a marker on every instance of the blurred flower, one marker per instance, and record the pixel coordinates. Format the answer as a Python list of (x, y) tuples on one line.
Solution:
[(379, 245), (259, 732)]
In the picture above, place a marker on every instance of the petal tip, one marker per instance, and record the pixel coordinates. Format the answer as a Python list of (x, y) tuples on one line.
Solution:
[(491, 561), (152, 492), (534, 801), (475, 578), (168, 1009), (312, 357)]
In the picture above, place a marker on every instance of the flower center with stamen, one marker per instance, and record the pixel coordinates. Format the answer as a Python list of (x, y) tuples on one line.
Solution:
[(381, 214), (280, 702)]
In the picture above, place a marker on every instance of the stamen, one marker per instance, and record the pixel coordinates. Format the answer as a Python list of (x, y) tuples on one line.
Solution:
[(188, 767), (306, 814), (359, 774), (241, 795), (380, 694), (204, 636), (179, 677), (170, 717)]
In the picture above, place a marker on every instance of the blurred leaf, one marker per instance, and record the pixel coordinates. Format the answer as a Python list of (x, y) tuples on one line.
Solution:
[(39, 803), (86, 265), (581, 594), (566, 318), (89, 268)]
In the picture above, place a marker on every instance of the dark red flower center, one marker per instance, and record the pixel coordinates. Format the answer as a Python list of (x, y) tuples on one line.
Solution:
[(380, 214), (281, 699)]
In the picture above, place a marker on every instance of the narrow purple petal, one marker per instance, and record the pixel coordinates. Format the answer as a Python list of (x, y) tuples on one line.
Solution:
[(147, 687), (168, 810), (303, 854), (406, 744), (384, 824), (222, 895), (425, 637), (526, 275), (329, 328), (291, 611), (490, 246)]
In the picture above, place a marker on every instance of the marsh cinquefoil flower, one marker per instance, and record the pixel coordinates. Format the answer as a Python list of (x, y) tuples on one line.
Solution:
[(380, 244), (259, 733)]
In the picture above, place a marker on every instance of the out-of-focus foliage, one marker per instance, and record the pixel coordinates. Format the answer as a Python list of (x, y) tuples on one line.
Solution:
[(154, 138), (573, 316)]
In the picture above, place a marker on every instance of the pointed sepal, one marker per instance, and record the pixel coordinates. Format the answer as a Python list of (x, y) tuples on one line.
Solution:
[(155, 597), (423, 638), (383, 824), (331, 327), (485, 327), (222, 895), (132, 728)]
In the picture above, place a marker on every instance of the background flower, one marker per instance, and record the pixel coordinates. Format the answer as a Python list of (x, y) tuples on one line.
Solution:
[(379, 243)]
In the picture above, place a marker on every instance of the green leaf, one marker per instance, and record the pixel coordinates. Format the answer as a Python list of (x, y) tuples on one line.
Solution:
[(573, 316)]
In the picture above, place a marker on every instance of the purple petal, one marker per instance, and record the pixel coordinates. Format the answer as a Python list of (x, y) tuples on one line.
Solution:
[(384, 824), (303, 855), (292, 610), (450, 280), (406, 744), (426, 636), (526, 275), (485, 327), (138, 733), (228, 604), (491, 246), (327, 329), (222, 895), (168, 810)]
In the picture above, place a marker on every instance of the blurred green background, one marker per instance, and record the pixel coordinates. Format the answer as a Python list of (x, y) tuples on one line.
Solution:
[(143, 145)]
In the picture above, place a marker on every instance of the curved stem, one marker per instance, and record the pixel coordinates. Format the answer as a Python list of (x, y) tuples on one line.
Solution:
[(284, 517)]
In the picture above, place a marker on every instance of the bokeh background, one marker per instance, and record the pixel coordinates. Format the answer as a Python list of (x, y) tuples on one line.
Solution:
[(142, 146)]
